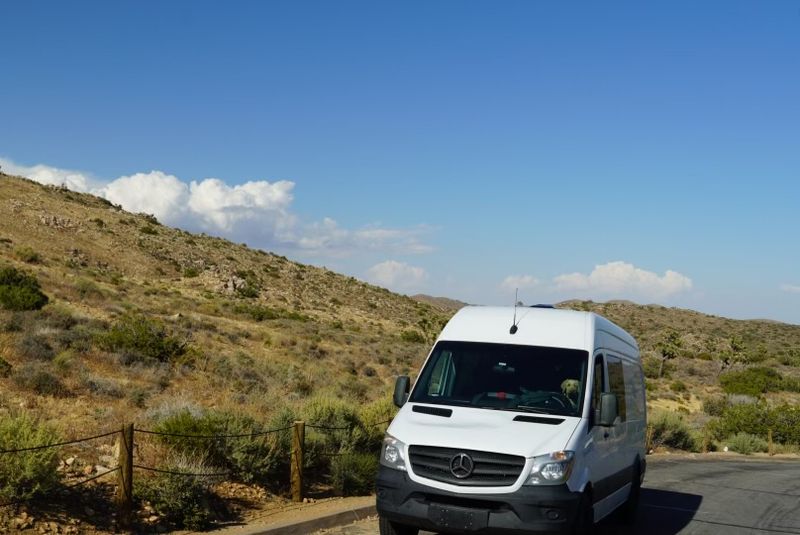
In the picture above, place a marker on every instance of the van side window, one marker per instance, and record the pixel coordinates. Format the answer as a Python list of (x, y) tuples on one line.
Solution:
[(442, 376), (599, 384), (616, 383)]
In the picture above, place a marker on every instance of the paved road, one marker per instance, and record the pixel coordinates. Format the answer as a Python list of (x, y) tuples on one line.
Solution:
[(709, 496)]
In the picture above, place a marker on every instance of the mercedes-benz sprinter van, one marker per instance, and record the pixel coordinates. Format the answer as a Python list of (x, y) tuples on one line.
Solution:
[(521, 420)]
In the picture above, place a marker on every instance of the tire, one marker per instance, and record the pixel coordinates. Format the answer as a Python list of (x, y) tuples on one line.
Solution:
[(630, 508), (388, 527), (584, 519)]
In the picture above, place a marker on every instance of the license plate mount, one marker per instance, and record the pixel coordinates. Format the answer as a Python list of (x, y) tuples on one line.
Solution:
[(460, 518)]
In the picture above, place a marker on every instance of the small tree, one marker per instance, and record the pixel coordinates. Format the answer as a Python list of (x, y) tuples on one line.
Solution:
[(735, 354), (669, 348)]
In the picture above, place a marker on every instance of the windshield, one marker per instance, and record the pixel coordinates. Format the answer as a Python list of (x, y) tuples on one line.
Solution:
[(520, 378)]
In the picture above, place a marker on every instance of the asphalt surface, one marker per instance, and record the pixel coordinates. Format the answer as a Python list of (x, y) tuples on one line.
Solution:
[(708, 496)]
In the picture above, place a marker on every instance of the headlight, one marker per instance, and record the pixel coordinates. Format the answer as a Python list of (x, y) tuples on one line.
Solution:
[(551, 469), (392, 453)]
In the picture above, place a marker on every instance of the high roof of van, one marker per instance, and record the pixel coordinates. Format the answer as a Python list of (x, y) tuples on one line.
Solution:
[(535, 326)]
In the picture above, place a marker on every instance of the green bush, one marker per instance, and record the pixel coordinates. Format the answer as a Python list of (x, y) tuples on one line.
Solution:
[(650, 367), (184, 501), (353, 474), (715, 406), (671, 430), (27, 254), (35, 346), (27, 474), (147, 229), (141, 339), (785, 424), (412, 336), (678, 386), (5, 368), (753, 381), (37, 377), (191, 272), (20, 291), (251, 459), (757, 419), (746, 443)]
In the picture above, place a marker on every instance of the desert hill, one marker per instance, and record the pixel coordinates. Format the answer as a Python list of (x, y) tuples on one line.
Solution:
[(259, 330)]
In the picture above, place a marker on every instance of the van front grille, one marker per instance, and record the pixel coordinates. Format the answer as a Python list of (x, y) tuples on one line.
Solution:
[(488, 469)]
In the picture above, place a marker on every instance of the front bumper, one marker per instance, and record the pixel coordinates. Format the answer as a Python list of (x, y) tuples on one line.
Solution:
[(546, 509)]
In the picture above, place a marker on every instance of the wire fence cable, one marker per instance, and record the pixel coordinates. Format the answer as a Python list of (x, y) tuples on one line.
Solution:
[(213, 437), (58, 444)]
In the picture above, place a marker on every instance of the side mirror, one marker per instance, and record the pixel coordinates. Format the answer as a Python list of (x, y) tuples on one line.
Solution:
[(401, 388), (608, 409)]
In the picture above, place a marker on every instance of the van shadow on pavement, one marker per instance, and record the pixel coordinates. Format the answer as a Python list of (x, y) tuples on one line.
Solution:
[(661, 512)]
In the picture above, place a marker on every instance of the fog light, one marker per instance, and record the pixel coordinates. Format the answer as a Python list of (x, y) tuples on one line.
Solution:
[(553, 514)]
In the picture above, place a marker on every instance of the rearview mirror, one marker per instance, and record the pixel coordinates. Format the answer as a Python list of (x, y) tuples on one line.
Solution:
[(608, 409), (401, 388)]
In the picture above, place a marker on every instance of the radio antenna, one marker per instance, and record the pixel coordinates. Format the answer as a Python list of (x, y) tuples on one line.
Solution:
[(513, 328)]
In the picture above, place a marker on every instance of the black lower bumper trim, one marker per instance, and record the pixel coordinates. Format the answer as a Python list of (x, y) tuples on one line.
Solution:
[(547, 509)]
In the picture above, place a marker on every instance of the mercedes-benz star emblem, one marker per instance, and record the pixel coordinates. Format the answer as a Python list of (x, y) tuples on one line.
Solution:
[(461, 465)]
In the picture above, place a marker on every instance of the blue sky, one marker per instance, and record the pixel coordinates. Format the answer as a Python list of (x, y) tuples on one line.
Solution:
[(623, 150)]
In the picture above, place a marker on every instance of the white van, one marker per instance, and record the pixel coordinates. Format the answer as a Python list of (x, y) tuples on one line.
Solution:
[(533, 425)]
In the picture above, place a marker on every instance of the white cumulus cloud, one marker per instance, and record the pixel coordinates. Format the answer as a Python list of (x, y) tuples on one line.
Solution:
[(522, 282), (791, 288), (44, 174), (621, 279), (156, 193), (397, 275), (256, 212)]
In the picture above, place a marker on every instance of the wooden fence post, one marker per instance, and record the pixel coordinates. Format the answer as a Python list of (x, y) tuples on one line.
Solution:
[(125, 487), (770, 449), (298, 447)]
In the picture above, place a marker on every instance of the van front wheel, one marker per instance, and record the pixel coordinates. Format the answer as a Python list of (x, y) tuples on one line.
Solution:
[(393, 528)]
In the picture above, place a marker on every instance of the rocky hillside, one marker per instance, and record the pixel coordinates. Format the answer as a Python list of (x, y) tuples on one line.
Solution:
[(256, 330)]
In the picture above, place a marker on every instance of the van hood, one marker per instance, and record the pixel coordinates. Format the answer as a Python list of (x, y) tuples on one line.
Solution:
[(477, 429)]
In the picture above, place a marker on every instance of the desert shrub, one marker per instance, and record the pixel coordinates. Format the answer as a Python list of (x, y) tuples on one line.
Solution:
[(650, 367), (141, 339), (88, 289), (37, 377), (671, 430), (790, 384), (753, 381), (251, 459), (15, 323), (354, 473), (27, 474), (191, 272), (263, 313), (5, 368), (20, 290), (147, 229), (35, 346), (715, 406), (785, 423), (678, 386), (746, 443), (375, 417), (412, 336), (184, 501), (99, 222), (27, 254), (751, 418), (102, 386), (58, 317)]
